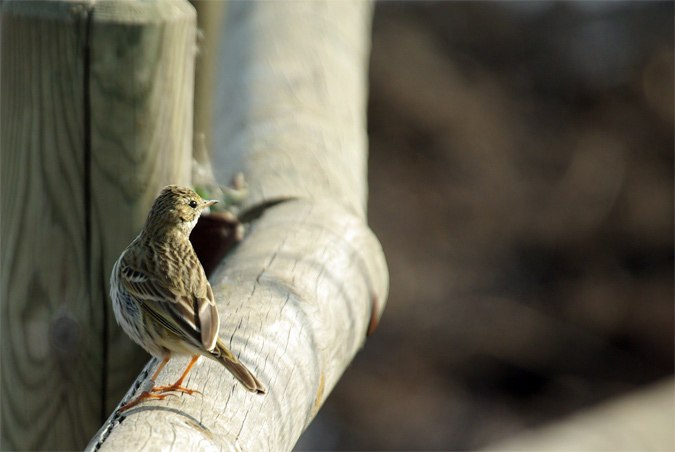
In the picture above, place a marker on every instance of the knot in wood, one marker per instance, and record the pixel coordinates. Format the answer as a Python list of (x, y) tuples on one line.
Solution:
[(65, 336)]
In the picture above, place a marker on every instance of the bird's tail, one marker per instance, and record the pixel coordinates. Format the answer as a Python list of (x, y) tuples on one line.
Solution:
[(241, 373)]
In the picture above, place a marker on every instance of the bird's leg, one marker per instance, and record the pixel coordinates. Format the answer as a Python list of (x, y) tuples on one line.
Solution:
[(177, 385), (147, 394)]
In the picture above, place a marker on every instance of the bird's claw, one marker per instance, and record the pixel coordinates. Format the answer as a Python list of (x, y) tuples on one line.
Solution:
[(175, 387), (144, 395)]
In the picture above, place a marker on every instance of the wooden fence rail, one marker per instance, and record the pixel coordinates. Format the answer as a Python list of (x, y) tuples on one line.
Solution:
[(298, 295), (96, 116)]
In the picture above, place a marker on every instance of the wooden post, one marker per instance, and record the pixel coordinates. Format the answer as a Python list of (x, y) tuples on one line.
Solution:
[(210, 15), (51, 331), (142, 85), (299, 294), (95, 118)]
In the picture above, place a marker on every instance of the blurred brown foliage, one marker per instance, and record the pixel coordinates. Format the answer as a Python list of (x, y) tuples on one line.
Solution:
[(521, 184)]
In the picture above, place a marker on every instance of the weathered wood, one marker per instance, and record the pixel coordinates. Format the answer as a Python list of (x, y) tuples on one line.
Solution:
[(141, 85), (96, 117), (210, 15), (51, 328), (295, 299), (291, 101), (297, 296)]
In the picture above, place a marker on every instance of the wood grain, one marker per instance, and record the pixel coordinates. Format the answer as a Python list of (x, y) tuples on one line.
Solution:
[(51, 329), (209, 22), (291, 101), (296, 295), (295, 300), (96, 118), (142, 83)]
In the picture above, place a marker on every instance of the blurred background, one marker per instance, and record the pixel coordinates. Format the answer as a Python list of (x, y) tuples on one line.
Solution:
[(521, 185)]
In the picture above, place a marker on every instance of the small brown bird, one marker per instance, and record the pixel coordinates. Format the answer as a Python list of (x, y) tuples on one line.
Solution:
[(161, 296)]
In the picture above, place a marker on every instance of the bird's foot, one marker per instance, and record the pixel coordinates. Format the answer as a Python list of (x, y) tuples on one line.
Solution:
[(143, 396), (175, 387)]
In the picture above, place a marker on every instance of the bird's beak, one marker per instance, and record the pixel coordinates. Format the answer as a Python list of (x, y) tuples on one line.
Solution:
[(210, 203)]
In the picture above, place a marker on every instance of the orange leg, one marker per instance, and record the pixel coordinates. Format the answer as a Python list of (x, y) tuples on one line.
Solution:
[(177, 385), (145, 394)]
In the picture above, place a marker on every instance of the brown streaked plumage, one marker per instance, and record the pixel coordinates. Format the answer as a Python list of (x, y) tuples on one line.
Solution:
[(162, 298)]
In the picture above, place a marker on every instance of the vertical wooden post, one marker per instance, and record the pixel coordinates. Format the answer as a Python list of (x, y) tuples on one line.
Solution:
[(96, 116), (51, 329), (210, 23), (141, 94)]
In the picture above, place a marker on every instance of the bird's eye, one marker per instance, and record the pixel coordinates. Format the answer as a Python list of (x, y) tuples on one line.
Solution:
[(193, 204)]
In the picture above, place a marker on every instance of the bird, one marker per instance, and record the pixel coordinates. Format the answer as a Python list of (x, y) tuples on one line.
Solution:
[(162, 298)]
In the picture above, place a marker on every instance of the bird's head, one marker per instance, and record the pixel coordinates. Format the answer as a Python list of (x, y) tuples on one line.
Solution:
[(175, 207)]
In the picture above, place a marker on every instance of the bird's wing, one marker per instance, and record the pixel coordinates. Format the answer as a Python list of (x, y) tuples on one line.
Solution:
[(187, 315), (201, 314)]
